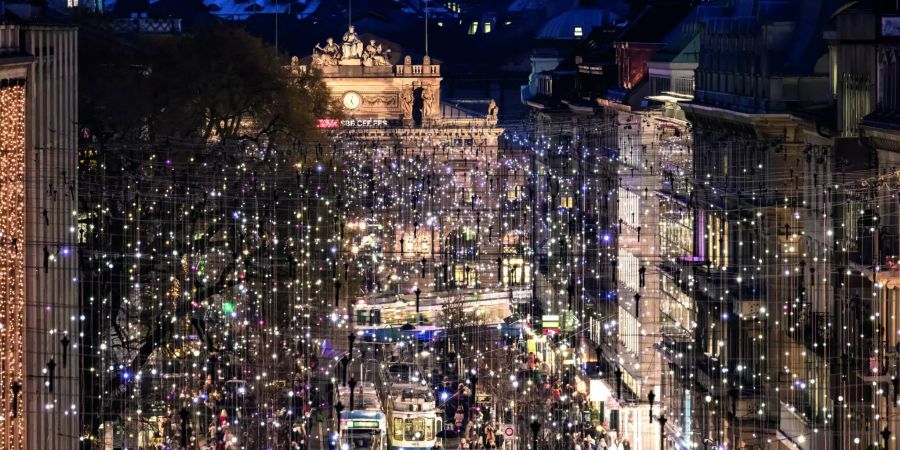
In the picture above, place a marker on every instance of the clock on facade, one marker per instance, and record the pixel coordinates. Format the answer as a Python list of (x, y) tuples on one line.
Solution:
[(352, 100)]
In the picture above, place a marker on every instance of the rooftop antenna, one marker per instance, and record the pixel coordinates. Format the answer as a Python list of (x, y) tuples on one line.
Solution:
[(426, 27), (349, 13)]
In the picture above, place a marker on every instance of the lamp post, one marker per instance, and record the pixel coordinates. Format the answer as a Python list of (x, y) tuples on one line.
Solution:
[(351, 338), (618, 383), (474, 380), (185, 415), (352, 384), (337, 293), (345, 361), (338, 407), (418, 293), (535, 429), (662, 432)]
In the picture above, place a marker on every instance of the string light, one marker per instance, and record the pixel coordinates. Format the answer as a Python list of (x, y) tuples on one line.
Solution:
[(12, 264)]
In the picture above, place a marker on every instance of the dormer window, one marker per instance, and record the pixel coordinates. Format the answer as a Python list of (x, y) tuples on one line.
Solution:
[(579, 32)]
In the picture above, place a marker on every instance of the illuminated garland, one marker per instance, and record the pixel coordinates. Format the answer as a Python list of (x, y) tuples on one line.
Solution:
[(12, 266)]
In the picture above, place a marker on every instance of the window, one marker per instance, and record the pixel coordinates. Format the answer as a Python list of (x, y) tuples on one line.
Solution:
[(487, 27), (429, 430), (408, 434), (398, 428), (474, 28), (579, 32), (419, 429)]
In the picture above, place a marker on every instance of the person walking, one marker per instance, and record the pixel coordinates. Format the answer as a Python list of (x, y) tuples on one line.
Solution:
[(489, 436)]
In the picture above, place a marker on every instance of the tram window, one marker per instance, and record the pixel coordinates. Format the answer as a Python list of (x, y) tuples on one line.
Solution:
[(375, 317), (408, 434), (362, 316), (419, 428), (398, 429), (429, 430)]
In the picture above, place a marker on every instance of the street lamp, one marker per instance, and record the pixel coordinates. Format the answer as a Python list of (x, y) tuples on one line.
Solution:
[(418, 293), (599, 350), (474, 380), (618, 383), (352, 384), (185, 416), (337, 293), (535, 429), (351, 338), (345, 361), (662, 432), (338, 407)]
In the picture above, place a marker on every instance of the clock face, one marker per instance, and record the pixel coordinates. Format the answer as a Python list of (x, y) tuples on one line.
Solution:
[(352, 100)]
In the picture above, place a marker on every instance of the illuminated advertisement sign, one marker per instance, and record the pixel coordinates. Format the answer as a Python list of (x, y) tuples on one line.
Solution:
[(329, 123)]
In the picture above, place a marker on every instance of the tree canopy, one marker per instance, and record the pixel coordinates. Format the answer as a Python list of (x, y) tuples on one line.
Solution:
[(218, 83)]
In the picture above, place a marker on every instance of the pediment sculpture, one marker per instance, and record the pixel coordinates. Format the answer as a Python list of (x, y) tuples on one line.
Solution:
[(351, 52)]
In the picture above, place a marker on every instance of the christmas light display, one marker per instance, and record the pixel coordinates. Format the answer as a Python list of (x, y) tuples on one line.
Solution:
[(12, 265), (228, 279)]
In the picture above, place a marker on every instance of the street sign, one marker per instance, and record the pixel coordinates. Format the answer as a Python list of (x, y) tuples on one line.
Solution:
[(549, 324)]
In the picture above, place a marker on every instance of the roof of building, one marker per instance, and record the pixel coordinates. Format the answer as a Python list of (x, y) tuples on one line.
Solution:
[(807, 43), (882, 119), (657, 23), (684, 46), (564, 25)]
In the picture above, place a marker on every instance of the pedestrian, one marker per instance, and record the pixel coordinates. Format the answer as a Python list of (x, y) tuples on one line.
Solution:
[(589, 443), (489, 436), (463, 444), (458, 419), (603, 443)]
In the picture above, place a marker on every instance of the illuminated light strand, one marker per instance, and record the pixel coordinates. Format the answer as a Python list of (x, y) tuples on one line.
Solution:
[(12, 264)]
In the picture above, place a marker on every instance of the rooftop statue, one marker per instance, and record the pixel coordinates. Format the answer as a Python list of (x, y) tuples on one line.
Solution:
[(352, 48), (493, 110), (329, 55), (350, 52), (375, 55)]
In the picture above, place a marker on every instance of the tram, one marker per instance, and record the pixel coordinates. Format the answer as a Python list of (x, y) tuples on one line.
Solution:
[(412, 415), (414, 420), (378, 313), (364, 427)]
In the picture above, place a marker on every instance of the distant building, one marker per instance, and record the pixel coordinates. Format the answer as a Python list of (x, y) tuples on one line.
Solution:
[(39, 325), (392, 102)]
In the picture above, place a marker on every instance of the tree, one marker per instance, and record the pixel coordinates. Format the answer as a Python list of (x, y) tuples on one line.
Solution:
[(195, 212), (218, 83)]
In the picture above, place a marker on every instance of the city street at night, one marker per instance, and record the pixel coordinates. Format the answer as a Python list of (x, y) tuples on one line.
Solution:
[(460, 225)]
